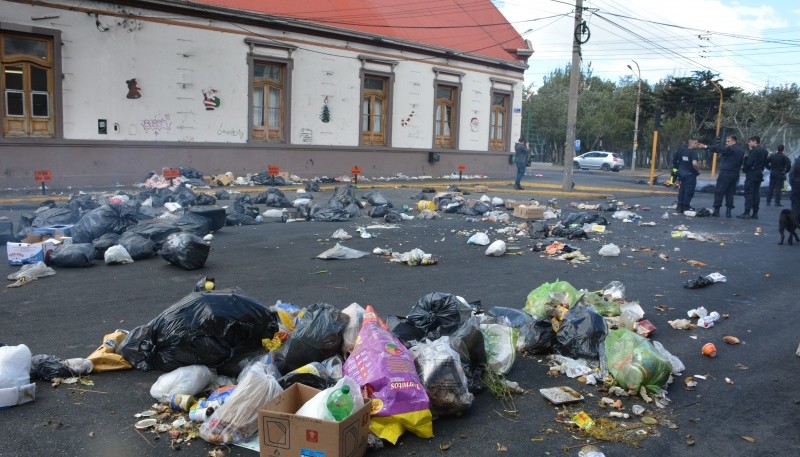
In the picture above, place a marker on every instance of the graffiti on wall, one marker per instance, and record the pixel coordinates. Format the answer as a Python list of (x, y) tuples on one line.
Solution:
[(157, 124), (210, 99), (325, 115), (407, 120), (134, 91), (230, 131)]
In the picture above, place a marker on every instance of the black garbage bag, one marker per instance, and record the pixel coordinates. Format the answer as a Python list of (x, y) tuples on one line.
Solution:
[(376, 198), (206, 328), (437, 314), (82, 202), (539, 230), (344, 195), (467, 211), (156, 230), (46, 367), (379, 211), (62, 215), (102, 244), (393, 217), (517, 318), (312, 186), (468, 342), (183, 196), (583, 217), (404, 330), (581, 333), (138, 246), (454, 207), (6, 231), (234, 219), (75, 255), (205, 200), (333, 212), (191, 173), (276, 199), (538, 337), (114, 218), (264, 179), (482, 207), (317, 336), (222, 194), (185, 250), (308, 379), (194, 223), (703, 212), (146, 213)]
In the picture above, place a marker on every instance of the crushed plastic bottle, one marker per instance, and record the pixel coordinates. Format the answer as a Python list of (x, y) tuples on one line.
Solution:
[(340, 403)]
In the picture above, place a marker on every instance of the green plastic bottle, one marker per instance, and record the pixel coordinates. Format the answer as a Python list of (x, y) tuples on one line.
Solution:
[(340, 403)]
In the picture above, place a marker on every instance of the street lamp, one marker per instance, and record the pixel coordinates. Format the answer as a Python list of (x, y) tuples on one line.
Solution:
[(719, 121), (638, 75)]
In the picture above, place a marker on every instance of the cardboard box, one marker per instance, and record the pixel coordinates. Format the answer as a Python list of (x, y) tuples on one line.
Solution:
[(26, 253), (281, 433), (56, 231), (529, 212)]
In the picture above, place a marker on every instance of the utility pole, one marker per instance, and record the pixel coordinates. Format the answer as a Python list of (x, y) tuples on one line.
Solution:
[(636, 122), (572, 105)]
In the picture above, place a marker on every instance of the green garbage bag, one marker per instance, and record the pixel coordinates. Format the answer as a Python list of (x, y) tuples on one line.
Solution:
[(601, 305), (633, 361), (539, 297)]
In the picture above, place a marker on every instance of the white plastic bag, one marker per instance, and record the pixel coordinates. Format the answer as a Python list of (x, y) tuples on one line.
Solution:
[(677, 365), (480, 238), (117, 255), (496, 249), (501, 343), (273, 213), (341, 234), (356, 314), (15, 366), (317, 407), (237, 419), (609, 250), (32, 271), (190, 380)]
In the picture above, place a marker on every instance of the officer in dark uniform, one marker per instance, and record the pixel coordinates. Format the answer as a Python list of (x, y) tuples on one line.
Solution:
[(732, 157), (686, 162), (753, 167), (778, 165)]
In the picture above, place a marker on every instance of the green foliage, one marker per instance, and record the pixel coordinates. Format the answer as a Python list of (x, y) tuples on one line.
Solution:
[(606, 113)]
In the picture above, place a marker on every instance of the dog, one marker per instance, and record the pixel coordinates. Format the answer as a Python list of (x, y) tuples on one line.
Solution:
[(787, 223)]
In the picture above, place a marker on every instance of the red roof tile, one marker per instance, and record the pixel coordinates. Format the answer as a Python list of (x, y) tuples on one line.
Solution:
[(473, 26)]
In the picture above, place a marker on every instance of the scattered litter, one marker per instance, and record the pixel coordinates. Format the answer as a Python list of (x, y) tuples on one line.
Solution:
[(341, 234), (561, 395), (341, 252), (609, 250), (709, 350), (480, 239)]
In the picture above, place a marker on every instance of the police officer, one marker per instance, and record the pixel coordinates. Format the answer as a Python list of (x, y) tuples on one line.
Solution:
[(753, 167), (778, 165), (686, 162), (732, 157)]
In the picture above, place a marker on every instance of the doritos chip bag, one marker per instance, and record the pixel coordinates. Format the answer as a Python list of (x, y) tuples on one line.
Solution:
[(385, 370)]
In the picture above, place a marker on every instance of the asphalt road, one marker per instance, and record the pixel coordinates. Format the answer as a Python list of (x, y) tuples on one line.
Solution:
[(756, 414)]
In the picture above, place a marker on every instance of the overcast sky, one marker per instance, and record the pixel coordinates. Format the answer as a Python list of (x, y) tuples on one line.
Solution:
[(749, 43)]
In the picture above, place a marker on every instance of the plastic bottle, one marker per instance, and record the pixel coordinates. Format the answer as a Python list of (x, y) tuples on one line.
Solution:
[(340, 403)]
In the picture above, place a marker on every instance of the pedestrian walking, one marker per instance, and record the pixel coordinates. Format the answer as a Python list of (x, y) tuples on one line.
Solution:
[(521, 154), (732, 157), (778, 165), (686, 162)]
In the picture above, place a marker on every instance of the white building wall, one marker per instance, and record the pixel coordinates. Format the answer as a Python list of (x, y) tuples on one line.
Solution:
[(173, 65)]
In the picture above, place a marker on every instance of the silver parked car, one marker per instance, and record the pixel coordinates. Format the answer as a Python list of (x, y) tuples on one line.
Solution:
[(600, 160)]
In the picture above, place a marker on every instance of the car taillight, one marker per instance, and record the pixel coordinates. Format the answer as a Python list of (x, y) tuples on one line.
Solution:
[(614, 159)]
